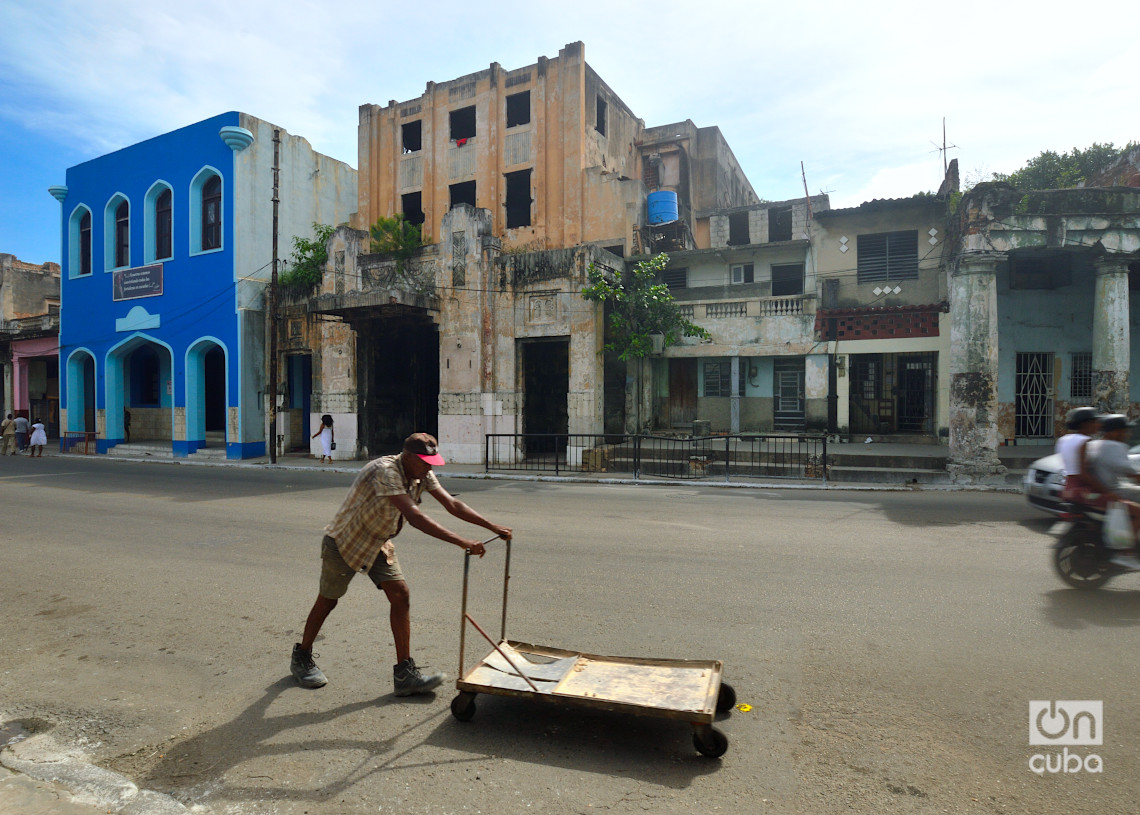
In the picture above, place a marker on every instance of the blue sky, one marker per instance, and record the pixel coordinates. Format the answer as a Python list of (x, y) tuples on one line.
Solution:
[(856, 91)]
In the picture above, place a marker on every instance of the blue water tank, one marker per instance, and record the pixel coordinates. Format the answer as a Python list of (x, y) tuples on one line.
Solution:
[(662, 206)]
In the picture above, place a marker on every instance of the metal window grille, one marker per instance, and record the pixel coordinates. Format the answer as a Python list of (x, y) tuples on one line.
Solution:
[(1080, 379), (888, 256), (1034, 394), (718, 379)]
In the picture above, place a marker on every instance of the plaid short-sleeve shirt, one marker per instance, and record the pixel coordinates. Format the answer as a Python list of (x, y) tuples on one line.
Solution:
[(367, 521)]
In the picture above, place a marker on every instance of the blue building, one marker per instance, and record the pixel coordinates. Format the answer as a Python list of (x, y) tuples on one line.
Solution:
[(167, 252)]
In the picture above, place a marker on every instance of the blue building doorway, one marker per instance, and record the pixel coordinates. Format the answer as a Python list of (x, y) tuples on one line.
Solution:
[(206, 396), (139, 385)]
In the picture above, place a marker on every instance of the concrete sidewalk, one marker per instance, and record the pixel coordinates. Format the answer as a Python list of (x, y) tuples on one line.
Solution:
[(852, 465)]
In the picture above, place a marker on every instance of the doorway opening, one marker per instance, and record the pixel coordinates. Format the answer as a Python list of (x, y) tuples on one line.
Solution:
[(546, 389), (398, 380)]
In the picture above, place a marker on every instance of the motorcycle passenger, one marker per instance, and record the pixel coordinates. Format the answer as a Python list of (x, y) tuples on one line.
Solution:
[(1108, 462), (1081, 486)]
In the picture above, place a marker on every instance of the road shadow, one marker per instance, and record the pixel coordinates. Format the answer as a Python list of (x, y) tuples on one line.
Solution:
[(659, 751), (1078, 609), (200, 766)]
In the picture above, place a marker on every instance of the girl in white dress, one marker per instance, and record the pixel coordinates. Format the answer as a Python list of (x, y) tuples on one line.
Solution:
[(328, 440), (38, 439)]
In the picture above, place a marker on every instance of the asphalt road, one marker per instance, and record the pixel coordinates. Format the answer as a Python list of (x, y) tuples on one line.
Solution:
[(888, 645)]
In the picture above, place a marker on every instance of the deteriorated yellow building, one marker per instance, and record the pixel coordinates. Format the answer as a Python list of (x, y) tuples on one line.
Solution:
[(520, 179)]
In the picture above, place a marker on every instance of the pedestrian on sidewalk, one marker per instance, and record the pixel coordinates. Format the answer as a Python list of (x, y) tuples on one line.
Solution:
[(38, 440), (21, 425), (7, 436), (328, 438), (386, 493)]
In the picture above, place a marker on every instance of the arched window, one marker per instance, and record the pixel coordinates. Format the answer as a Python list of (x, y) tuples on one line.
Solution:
[(212, 214), (163, 223), (79, 242), (123, 234), (85, 243), (207, 215)]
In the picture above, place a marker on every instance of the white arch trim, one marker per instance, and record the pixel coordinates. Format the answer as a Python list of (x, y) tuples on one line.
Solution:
[(73, 367), (113, 382), (195, 364), (150, 221), (196, 185)]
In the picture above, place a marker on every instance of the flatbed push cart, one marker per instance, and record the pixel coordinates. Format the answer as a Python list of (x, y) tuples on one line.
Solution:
[(683, 689)]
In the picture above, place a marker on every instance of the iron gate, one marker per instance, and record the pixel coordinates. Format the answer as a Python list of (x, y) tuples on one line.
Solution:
[(1034, 383)]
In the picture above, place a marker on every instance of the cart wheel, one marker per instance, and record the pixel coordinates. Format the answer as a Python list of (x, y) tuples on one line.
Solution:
[(726, 699), (463, 707), (710, 742)]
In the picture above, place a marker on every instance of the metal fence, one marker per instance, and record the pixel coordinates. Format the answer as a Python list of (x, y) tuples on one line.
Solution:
[(771, 456), (72, 441)]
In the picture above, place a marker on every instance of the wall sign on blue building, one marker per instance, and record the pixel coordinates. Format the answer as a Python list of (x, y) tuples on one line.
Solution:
[(142, 281)]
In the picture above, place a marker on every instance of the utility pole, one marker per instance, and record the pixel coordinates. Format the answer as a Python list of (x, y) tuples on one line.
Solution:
[(271, 307)]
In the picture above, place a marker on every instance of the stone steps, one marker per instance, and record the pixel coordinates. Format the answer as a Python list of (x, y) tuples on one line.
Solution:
[(142, 449)]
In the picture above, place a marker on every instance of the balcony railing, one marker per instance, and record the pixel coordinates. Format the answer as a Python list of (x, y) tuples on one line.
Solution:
[(763, 307)]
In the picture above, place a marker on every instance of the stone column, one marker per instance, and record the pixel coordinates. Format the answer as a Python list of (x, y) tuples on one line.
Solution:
[(1111, 356), (974, 369)]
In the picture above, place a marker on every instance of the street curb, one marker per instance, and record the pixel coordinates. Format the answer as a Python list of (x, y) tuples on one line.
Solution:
[(39, 757), (567, 479)]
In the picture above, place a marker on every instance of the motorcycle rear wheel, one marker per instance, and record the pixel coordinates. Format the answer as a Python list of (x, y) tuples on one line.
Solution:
[(1080, 562)]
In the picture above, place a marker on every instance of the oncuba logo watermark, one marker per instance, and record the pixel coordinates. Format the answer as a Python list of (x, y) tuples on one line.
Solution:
[(1066, 723)]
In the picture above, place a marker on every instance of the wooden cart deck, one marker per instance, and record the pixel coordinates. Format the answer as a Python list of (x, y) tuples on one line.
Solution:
[(668, 688)]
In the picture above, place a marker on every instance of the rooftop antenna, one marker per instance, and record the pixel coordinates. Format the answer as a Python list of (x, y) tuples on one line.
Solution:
[(944, 146)]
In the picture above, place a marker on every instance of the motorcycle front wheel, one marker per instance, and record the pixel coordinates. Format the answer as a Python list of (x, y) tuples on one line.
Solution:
[(1080, 562)]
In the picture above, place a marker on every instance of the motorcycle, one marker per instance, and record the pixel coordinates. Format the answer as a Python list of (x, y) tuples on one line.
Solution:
[(1080, 555)]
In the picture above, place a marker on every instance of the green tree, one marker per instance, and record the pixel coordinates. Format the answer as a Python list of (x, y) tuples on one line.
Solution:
[(397, 237), (306, 265), (1054, 171), (639, 307)]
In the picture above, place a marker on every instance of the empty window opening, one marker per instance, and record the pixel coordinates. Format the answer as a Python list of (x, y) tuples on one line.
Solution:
[(787, 280), (518, 109), (162, 226), (600, 121), (743, 273), (738, 229), (123, 234), (412, 204), (212, 214), (1040, 271), (462, 124), (780, 224), (518, 199), (462, 193), (676, 278), (412, 135), (85, 244)]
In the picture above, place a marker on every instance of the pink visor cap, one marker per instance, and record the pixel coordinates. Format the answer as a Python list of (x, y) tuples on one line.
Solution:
[(426, 447)]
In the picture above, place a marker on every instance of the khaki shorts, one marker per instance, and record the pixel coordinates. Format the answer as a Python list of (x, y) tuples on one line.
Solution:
[(336, 574)]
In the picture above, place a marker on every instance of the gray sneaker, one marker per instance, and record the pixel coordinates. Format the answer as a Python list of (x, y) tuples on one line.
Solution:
[(409, 680), (304, 670)]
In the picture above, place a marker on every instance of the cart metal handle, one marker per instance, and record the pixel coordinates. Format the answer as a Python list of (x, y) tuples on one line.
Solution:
[(463, 616)]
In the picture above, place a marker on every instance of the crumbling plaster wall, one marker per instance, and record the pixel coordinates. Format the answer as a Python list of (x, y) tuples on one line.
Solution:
[(559, 145), (26, 290)]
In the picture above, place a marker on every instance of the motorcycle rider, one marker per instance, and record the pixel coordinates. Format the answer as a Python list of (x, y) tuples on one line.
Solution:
[(1108, 464), (1081, 487)]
